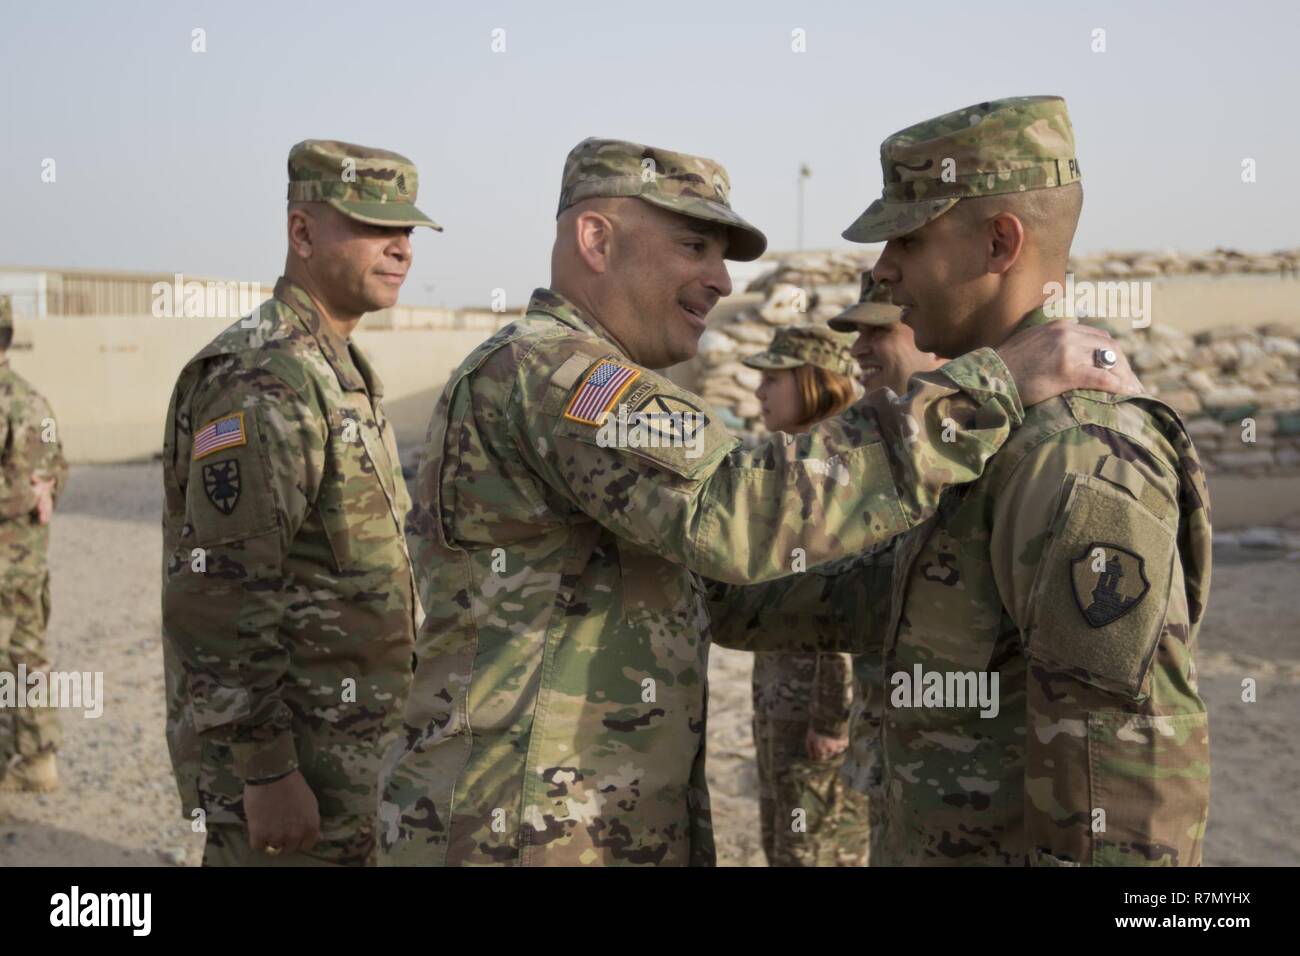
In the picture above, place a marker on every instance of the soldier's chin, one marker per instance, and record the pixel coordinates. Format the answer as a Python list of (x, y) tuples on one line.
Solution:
[(923, 340), (681, 349), (382, 296)]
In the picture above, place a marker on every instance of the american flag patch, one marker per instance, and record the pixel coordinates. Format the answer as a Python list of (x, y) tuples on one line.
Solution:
[(225, 432), (604, 385)]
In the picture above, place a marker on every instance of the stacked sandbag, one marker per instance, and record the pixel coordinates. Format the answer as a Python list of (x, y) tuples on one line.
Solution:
[(1238, 390), (1151, 265), (816, 269)]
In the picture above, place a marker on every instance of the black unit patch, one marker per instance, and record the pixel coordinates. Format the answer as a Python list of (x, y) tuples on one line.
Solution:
[(221, 483), (1109, 582)]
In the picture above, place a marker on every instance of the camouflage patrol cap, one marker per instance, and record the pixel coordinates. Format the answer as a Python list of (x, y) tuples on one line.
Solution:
[(678, 182), (369, 185), (796, 345), (1002, 146), (875, 306), (6, 313)]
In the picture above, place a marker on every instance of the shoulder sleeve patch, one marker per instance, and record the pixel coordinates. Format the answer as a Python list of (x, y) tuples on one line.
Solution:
[(606, 381), (219, 434), (1098, 604)]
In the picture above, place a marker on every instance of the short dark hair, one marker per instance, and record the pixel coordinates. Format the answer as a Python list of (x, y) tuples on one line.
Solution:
[(1050, 216)]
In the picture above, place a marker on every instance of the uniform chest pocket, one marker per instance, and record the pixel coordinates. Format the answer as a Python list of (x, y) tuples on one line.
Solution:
[(353, 505), (947, 609)]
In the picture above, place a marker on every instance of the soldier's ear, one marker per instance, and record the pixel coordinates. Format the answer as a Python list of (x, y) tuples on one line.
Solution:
[(593, 235), (1005, 238), (301, 227)]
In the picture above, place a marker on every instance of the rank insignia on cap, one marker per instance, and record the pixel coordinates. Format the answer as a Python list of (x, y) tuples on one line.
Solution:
[(221, 483), (604, 385), (225, 432), (1108, 582)]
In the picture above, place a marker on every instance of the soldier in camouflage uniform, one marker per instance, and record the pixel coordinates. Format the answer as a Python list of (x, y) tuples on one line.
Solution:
[(802, 701), (557, 714), (1074, 571), (289, 607), (32, 476)]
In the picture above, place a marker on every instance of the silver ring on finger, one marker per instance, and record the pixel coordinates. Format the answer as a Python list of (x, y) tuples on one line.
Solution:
[(1105, 358)]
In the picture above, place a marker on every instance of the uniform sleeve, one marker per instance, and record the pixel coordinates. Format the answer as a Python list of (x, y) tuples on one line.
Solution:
[(839, 606), (245, 502), (653, 465), (49, 461), (18, 444), (1085, 556), (832, 695)]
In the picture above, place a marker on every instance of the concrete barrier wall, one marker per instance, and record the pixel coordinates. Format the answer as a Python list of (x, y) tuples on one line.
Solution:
[(109, 378)]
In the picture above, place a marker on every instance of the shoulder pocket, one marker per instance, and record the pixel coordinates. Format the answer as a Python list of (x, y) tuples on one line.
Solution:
[(1100, 595)]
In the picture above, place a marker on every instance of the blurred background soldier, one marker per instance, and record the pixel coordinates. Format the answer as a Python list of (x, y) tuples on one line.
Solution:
[(32, 476), (802, 701), (884, 348)]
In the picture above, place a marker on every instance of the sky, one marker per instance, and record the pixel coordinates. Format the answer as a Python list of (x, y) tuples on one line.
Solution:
[(171, 160)]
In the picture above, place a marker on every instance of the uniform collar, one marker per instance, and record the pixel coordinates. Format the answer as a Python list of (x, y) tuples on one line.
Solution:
[(557, 306), (350, 364), (1036, 317)]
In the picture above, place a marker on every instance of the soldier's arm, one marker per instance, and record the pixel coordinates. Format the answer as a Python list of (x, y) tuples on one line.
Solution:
[(739, 516), (832, 695), (49, 461), (839, 606), (17, 494), (1117, 750), (244, 506)]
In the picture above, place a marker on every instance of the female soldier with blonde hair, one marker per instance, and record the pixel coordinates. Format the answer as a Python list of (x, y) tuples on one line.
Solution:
[(802, 701)]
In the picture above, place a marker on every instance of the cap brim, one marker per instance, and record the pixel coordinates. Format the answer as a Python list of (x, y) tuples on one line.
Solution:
[(771, 360), (888, 220), (744, 242), (384, 213), (865, 313)]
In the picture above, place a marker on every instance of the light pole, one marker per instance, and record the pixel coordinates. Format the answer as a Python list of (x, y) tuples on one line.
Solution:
[(804, 173)]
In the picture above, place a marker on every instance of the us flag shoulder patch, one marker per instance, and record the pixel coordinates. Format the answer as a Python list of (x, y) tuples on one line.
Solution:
[(225, 432), (604, 385)]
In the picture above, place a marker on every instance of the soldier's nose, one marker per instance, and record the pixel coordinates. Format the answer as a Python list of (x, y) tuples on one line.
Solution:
[(719, 280), (885, 270)]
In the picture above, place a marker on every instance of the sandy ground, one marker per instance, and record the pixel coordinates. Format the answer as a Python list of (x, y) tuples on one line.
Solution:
[(118, 805)]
